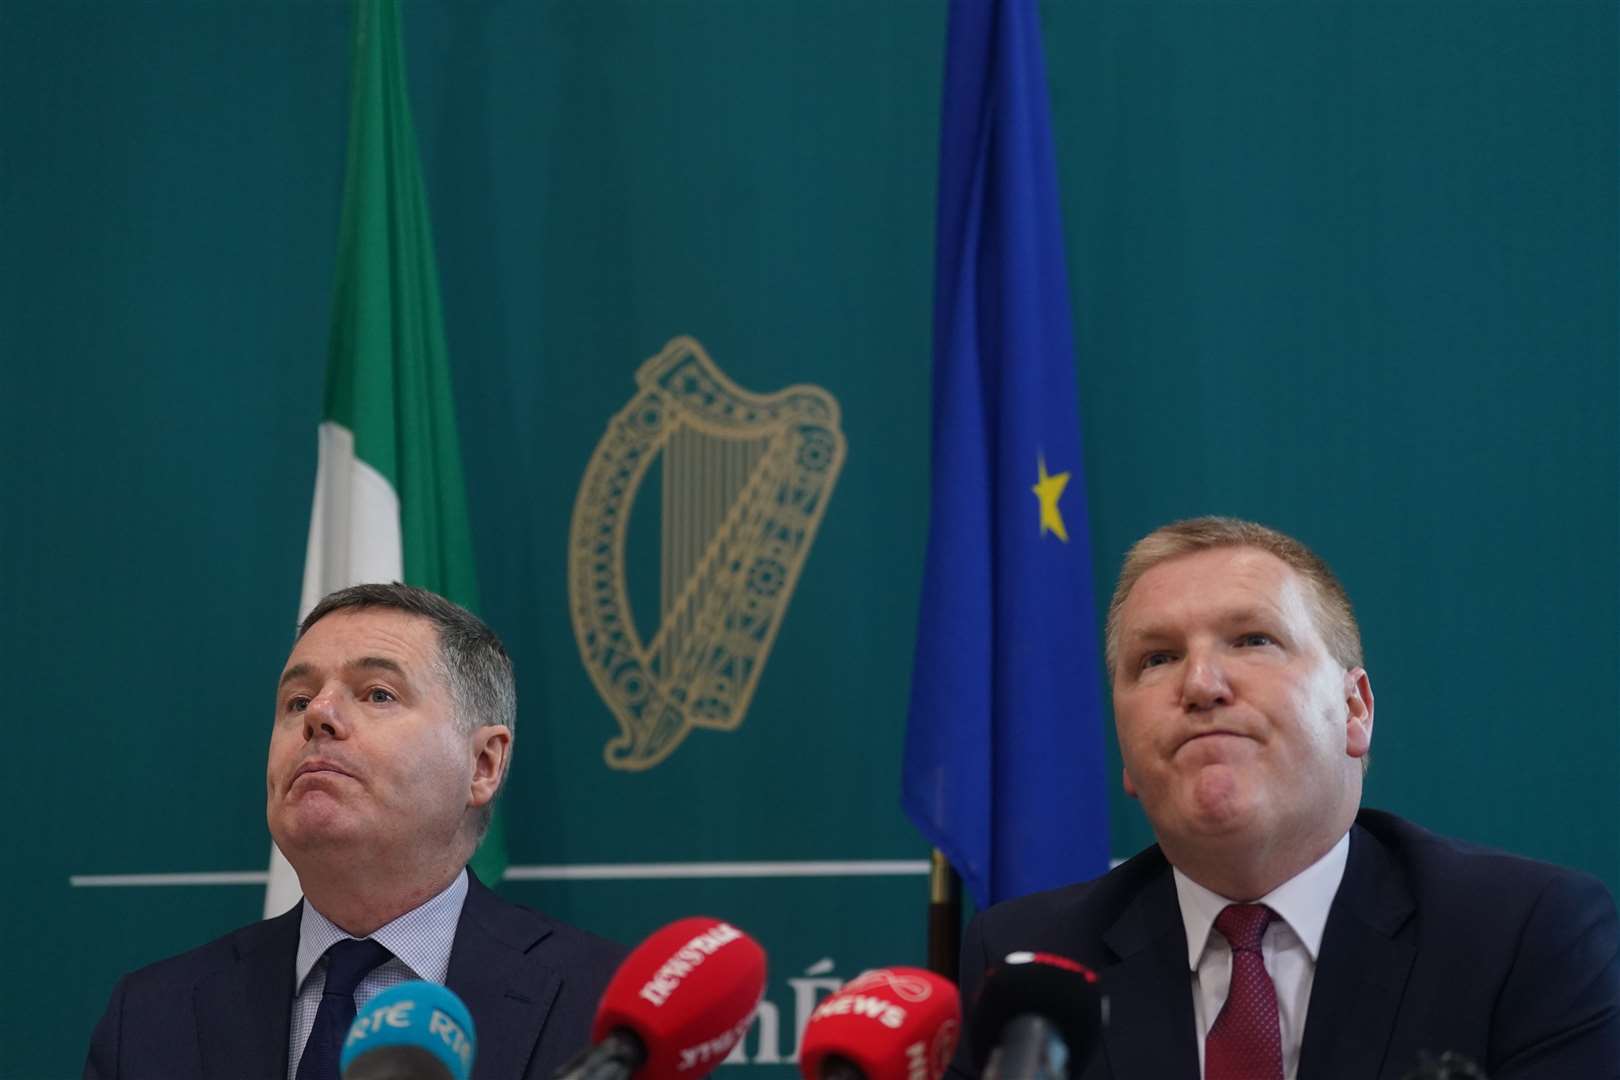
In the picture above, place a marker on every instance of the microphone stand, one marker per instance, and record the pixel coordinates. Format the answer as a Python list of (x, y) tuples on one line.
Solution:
[(944, 918)]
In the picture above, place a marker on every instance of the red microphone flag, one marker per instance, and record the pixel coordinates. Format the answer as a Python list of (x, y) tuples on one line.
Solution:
[(898, 1023), (689, 993)]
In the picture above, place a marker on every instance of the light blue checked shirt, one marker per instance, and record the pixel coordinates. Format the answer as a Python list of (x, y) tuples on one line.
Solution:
[(420, 940)]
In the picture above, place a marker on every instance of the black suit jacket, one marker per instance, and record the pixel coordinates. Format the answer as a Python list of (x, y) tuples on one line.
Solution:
[(223, 1011), (1430, 944)]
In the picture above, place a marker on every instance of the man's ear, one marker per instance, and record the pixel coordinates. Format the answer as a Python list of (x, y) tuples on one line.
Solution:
[(492, 749), (1358, 698), (1130, 787)]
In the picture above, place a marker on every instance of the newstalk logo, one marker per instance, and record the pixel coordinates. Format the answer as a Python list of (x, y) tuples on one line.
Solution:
[(667, 979)]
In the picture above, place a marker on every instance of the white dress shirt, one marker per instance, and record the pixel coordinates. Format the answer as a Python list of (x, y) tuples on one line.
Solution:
[(420, 940), (1289, 947)]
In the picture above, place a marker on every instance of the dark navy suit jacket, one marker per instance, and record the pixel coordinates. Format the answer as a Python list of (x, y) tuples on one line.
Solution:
[(223, 1011), (1430, 944)]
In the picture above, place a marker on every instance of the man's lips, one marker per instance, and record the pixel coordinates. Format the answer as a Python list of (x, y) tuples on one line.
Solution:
[(319, 766), (1202, 736)]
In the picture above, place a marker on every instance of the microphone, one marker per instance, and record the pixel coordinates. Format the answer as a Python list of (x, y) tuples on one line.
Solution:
[(413, 1031), (1036, 1012), (677, 1005), (898, 1023), (1448, 1066)]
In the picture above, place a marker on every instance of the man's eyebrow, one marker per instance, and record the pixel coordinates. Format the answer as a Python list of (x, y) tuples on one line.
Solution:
[(375, 663), (297, 671), (1250, 615), (364, 663)]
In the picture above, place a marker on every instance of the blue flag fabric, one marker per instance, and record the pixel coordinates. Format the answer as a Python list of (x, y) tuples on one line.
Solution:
[(1004, 763)]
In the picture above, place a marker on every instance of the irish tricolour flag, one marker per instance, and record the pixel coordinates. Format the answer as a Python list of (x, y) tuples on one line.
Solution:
[(390, 504)]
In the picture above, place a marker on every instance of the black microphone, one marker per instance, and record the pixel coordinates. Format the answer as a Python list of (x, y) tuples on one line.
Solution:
[(1448, 1066), (1037, 1017)]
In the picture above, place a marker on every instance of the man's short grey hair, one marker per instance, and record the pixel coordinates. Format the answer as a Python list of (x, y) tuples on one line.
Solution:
[(472, 661)]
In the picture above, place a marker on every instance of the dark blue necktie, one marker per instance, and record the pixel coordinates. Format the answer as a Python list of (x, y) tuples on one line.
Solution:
[(347, 963)]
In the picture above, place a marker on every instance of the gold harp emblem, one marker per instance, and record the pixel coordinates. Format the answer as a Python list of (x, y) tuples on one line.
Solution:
[(744, 481)]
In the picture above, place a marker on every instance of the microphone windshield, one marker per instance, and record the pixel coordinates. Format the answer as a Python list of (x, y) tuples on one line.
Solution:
[(898, 1023), (688, 993), (1063, 992), (413, 1030)]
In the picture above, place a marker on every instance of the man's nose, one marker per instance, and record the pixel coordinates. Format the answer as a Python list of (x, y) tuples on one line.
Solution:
[(1204, 684), (324, 717)]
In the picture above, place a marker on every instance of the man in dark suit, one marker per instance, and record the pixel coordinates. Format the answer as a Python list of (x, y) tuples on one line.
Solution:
[(393, 733), (1276, 931)]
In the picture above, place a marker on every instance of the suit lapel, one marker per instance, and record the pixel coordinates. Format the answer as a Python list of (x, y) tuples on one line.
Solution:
[(508, 995), (244, 1011), (1150, 1017), (1361, 969)]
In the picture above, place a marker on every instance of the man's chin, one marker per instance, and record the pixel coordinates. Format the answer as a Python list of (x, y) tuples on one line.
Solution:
[(1225, 825), (310, 830), (1218, 803)]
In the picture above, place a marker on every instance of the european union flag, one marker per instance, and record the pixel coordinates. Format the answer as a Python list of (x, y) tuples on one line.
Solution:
[(1004, 767)]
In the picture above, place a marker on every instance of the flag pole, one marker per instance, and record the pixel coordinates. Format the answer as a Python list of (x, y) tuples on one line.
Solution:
[(944, 917)]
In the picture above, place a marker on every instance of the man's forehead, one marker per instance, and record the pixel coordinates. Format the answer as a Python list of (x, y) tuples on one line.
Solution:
[(367, 636), (1222, 581), (303, 669)]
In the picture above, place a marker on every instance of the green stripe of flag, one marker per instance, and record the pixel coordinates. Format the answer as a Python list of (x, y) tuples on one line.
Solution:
[(388, 375)]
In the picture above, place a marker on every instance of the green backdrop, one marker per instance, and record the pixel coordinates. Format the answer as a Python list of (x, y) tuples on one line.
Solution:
[(1349, 268)]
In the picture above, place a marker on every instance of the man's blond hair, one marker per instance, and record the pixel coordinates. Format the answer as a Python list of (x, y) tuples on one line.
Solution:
[(1330, 604)]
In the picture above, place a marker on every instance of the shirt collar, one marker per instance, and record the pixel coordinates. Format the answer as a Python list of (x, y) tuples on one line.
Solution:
[(1302, 902), (420, 938)]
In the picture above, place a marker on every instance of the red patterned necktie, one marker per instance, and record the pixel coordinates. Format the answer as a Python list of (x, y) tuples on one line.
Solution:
[(1245, 1042)]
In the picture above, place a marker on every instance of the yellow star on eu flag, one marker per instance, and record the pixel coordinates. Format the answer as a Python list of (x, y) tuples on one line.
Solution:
[(1049, 489)]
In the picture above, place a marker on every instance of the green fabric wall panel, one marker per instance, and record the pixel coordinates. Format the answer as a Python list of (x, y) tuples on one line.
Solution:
[(1348, 268)]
